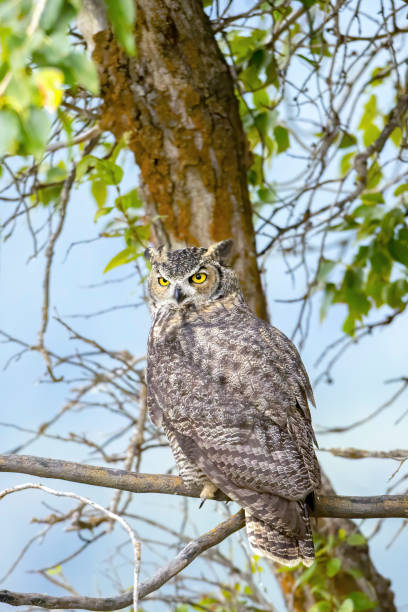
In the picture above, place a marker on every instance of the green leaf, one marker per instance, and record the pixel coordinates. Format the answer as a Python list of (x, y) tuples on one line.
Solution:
[(401, 189), (374, 176), (49, 194), (375, 197), (370, 135), (50, 14), (306, 575), (349, 325), (395, 292), (101, 212), (325, 267), (345, 163), (261, 99), (124, 257), (348, 140), (375, 288), (57, 173), (341, 534), (347, 606), (266, 194), (99, 192), (333, 566), (391, 220), (368, 212), (128, 200), (84, 72), (399, 250), (109, 172), (370, 112), (20, 93), (87, 163), (282, 138), (10, 132), (356, 539), (321, 606), (358, 302), (257, 59), (361, 257), (361, 601), (54, 570), (122, 16), (271, 71), (381, 261), (396, 136), (250, 78), (309, 3), (37, 129), (308, 60)]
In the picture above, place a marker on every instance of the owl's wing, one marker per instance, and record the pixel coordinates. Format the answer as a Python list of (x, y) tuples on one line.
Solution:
[(254, 462), (250, 451), (153, 407), (254, 442)]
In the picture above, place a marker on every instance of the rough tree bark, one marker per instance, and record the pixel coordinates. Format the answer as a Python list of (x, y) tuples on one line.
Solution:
[(177, 105)]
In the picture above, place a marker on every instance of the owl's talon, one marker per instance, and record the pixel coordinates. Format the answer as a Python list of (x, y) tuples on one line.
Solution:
[(207, 492)]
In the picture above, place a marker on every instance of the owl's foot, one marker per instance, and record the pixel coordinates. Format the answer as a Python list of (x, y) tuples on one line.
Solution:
[(207, 492)]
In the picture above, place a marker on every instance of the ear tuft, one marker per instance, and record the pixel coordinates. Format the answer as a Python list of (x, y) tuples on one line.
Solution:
[(149, 254), (155, 255), (220, 251)]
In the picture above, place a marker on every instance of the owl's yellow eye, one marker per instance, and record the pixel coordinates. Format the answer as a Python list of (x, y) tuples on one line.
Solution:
[(198, 278), (163, 281)]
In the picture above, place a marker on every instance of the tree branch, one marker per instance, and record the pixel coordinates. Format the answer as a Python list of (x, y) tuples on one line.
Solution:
[(381, 506), (192, 550)]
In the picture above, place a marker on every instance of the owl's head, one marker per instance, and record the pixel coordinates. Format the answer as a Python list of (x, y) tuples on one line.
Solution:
[(192, 275)]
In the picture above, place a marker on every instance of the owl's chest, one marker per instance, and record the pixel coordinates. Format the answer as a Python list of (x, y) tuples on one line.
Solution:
[(200, 356), (179, 344)]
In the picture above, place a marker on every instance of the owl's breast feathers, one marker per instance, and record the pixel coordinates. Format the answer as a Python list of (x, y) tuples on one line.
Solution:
[(226, 349), (223, 363)]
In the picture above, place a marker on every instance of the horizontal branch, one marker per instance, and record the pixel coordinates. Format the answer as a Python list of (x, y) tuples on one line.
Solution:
[(382, 506), (359, 453)]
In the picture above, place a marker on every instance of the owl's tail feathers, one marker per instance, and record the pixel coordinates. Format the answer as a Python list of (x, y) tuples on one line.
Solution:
[(266, 541)]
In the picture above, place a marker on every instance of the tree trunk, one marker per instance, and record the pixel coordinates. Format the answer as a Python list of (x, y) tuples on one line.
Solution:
[(176, 103)]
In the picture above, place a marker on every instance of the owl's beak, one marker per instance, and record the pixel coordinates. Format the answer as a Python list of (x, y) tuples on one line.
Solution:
[(179, 296)]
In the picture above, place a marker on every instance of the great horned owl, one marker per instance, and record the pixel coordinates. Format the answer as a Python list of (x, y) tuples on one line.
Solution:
[(231, 393)]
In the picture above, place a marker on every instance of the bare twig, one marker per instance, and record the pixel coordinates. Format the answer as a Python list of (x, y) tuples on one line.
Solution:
[(111, 515)]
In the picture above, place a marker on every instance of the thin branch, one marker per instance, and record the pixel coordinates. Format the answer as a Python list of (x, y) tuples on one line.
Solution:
[(359, 453), (134, 596), (49, 256), (190, 552), (88, 135)]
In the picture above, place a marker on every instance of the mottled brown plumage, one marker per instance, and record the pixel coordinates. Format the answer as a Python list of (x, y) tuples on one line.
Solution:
[(232, 395)]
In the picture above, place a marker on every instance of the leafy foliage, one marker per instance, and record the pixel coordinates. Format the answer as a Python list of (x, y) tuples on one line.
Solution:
[(328, 571)]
